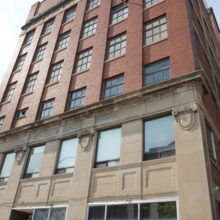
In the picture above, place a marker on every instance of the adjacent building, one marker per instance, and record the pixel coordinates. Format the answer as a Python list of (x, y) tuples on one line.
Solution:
[(110, 109)]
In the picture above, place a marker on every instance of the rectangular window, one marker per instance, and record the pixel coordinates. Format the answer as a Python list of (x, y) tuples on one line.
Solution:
[(67, 156), (113, 87), (2, 121), (116, 46), (34, 162), (150, 3), (135, 211), (159, 138), (89, 27), (157, 72), (211, 143), (55, 71), (39, 54), (83, 61), (48, 27), (92, 4), (28, 38), (31, 80), (19, 63), (46, 109), (21, 114), (108, 148), (119, 13), (155, 30), (69, 14), (9, 92), (6, 166), (63, 40), (77, 99)]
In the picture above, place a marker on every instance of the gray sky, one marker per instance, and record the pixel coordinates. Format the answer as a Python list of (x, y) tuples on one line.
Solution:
[(12, 16)]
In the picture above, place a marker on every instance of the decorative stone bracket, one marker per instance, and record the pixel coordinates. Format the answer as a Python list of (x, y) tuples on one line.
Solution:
[(85, 138), (20, 153), (185, 115)]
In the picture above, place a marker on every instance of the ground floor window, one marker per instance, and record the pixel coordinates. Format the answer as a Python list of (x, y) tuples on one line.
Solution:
[(50, 213), (134, 211)]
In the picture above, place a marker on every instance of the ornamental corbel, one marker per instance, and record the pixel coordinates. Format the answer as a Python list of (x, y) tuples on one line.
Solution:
[(20, 153), (85, 138), (185, 115)]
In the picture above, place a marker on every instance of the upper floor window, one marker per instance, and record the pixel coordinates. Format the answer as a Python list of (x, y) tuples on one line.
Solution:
[(48, 27), (211, 143), (55, 71), (34, 162), (2, 121), (119, 13), (157, 72), (113, 87), (46, 109), (159, 138), (28, 38), (67, 156), (19, 63), (63, 41), (6, 166), (155, 30), (116, 46), (89, 27), (83, 61), (31, 80), (150, 3), (9, 92), (92, 4), (108, 148), (77, 99), (21, 113), (39, 54), (69, 14)]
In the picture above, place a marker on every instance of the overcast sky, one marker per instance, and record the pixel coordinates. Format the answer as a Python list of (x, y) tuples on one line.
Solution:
[(12, 16)]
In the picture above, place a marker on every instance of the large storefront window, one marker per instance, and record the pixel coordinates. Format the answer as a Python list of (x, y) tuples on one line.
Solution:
[(135, 211)]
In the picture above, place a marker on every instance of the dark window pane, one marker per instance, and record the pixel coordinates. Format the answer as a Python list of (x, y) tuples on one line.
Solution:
[(96, 213)]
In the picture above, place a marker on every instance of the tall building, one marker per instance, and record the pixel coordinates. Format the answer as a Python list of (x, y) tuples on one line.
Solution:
[(110, 110)]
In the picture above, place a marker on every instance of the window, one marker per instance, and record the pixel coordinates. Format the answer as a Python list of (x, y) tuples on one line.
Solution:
[(113, 87), (108, 149), (159, 138), (48, 27), (21, 113), (92, 4), (31, 80), (34, 162), (28, 38), (119, 13), (55, 71), (77, 99), (155, 30), (9, 92), (19, 63), (116, 46), (83, 60), (135, 211), (40, 52), (6, 166), (1, 121), (67, 157), (211, 143), (69, 14), (157, 72), (150, 3), (63, 41), (46, 109), (89, 27)]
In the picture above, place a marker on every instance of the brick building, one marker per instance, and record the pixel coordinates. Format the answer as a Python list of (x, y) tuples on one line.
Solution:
[(110, 110)]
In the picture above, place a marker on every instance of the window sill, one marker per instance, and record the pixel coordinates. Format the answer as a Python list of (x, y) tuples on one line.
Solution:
[(156, 42), (51, 84), (152, 6), (3, 183), (26, 94), (118, 22), (17, 71), (63, 24), (38, 61), (62, 175), (25, 45), (87, 11), (159, 160), (115, 58), (4, 103), (83, 71), (57, 51), (43, 35), (87, 37)]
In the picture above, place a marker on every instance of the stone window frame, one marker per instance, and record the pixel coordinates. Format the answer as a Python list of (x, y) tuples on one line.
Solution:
[(119, 13), (76, 96), (109, 84), (63, 40), (31, 81), (40, 51), (20, 63), (48, 27), (55, 72), (9, 92), (92, 4), (161, 25), (89, 27), (46, 109), (69, 14), (116, 46)]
